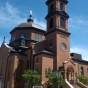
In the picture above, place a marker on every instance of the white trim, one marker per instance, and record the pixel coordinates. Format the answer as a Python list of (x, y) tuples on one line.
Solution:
[(81, 84), (6, 45), (68, 84)]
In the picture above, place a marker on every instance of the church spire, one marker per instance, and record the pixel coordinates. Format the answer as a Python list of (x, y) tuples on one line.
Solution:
[(30, 18), (4, 40)]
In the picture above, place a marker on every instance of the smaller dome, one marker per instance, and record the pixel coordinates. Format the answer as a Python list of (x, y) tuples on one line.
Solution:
[(30, 24)]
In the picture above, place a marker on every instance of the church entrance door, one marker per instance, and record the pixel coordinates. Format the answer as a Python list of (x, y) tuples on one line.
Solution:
[(70, 74)]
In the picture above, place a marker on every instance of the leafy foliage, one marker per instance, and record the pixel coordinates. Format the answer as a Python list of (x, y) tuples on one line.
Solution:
[(52, 79), (83, 79), (32, 77)]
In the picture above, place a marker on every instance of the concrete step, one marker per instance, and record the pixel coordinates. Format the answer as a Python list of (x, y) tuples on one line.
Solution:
[(76, 86)]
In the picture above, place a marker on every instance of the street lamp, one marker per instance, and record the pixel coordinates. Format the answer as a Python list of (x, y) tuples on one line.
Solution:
[(58, 74)]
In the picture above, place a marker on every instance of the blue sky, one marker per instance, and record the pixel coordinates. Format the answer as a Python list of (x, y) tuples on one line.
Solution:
[(13, 12)]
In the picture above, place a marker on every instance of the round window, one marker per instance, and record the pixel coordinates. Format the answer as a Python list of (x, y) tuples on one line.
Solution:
[(63, 47)]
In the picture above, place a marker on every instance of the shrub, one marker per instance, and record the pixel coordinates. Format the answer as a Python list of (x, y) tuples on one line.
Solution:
[(83, 79)]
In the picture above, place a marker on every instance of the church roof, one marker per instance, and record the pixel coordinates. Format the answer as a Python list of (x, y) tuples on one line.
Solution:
[(79, 60), (45, 52), (30, 24)]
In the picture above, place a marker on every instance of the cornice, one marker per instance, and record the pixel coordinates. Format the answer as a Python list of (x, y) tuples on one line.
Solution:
[(59, 30), (57, 12)]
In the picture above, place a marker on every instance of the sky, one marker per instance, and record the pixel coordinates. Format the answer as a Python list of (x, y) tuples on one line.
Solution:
[(14, 12)]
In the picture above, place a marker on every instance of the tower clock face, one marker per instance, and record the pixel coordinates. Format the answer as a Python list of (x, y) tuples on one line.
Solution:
[(63, 47)]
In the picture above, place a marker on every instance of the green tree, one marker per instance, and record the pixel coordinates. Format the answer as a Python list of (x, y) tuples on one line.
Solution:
[(32, 78), (52, 79)]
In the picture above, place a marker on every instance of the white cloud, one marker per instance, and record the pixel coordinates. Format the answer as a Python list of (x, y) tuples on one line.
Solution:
[(80, 50), (10, 16), (78, 22), (40, 23)]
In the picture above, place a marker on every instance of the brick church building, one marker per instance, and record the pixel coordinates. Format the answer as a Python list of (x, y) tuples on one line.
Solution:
[(33, 48)]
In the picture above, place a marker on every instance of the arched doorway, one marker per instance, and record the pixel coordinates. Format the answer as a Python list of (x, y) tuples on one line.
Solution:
[(70, 74)]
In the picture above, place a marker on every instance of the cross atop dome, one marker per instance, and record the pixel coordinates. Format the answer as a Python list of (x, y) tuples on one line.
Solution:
[(30, 17)]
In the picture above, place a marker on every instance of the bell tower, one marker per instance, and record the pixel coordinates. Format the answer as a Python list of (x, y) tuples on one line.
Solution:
[(57, 30), (57, 16)]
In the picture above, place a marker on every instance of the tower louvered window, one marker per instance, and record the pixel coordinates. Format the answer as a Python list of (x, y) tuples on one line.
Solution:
[(52, 7), (61, 6), (51, 23), (62, 22)]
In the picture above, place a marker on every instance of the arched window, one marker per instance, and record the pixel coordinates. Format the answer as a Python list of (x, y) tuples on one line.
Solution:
[(51, 23), (51, 43), (61, 6), (82, 71), (62, 22), (52, 7)]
